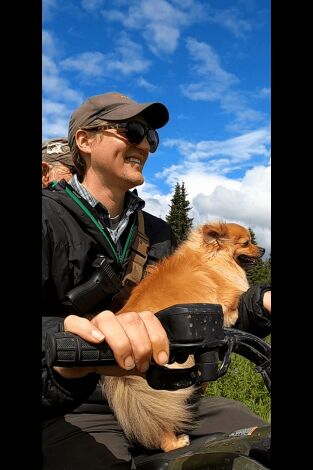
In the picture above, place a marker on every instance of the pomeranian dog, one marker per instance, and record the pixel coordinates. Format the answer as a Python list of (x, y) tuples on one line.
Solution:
[(206, 268)]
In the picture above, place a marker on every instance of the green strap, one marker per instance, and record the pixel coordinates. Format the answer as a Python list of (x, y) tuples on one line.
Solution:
[(120, 259)]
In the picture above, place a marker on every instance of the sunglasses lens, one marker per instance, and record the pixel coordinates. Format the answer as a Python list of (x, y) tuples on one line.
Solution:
[(136, 132), (153, 139)]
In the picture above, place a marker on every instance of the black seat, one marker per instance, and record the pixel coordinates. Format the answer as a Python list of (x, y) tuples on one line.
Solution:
[(156, 460), (213, 452)]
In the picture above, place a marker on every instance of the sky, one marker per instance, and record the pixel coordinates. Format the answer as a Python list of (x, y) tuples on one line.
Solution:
[(208, 61)]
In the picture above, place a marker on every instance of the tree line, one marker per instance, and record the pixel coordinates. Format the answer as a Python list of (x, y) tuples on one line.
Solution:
[(181, 224)]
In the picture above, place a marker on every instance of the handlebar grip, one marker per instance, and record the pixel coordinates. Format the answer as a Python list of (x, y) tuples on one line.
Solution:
[(68, 350), (187, 326)]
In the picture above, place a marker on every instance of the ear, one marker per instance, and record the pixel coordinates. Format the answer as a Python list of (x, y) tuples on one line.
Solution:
[(83, 141), (214, 231), (45, 174)]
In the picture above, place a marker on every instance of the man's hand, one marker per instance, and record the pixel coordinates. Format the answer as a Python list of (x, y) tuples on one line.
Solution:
[(267, 300), (133, 337)]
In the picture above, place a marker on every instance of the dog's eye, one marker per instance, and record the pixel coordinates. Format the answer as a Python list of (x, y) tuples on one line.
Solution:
[(245, 243)]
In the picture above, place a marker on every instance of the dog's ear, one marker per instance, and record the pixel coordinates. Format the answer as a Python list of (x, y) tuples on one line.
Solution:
[(214, 232)]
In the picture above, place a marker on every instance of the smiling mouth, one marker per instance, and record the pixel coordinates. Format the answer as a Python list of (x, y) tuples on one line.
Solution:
[(134, 161)]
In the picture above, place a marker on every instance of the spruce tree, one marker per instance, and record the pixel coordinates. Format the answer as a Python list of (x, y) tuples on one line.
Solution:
[(260, 272), (186, 221), (178, 215)]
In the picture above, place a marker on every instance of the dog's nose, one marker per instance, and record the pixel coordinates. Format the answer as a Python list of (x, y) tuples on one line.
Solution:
[(262, 251)]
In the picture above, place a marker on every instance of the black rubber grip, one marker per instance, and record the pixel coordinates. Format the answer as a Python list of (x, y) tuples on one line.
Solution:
[(69, 350)]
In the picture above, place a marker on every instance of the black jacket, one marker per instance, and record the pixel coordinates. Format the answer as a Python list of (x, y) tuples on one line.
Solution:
[(71, 242)]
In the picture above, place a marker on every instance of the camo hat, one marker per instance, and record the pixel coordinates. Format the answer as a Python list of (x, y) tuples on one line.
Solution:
[(57, 150), (114, 107)]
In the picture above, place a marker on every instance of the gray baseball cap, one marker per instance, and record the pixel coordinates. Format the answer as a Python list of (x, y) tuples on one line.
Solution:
[(57, 150), (115, 107)]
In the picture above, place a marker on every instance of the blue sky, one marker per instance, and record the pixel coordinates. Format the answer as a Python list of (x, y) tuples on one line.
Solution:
[(207, 61)]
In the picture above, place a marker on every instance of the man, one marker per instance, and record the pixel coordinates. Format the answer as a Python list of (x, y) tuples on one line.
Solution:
[(57, 161), (110, 137)]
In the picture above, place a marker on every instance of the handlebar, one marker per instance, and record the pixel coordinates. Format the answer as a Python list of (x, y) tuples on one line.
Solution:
[(192, 329)]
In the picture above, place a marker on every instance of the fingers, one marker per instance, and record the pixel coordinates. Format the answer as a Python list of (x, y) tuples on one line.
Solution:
[(267, 297), (83, 328), (133, 337), (158, 337), (116, 337)]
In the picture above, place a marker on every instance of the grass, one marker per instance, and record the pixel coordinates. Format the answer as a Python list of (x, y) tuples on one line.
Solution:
[(242, 383)]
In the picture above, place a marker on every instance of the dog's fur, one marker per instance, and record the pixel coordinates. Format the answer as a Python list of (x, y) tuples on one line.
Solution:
[(204, 269)]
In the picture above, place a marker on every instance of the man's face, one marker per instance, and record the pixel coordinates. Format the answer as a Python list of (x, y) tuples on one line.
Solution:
[(117, 162)]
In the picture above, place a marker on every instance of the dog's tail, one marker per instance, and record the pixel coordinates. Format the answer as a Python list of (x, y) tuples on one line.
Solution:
[(145, 413)]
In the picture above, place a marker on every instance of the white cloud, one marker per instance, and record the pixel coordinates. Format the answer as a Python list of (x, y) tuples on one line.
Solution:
[(207, 61), (127, 59), (48, 8), (58, 96), (160, 22), (265, 93), (143, 83), (216, 197), (216, 84), (249, 204), (211, 193), (55, 119), (92, 5), (233, 150), (232, 20)]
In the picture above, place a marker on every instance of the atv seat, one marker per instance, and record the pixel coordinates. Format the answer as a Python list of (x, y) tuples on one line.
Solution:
[(215, 452), (156, 460)]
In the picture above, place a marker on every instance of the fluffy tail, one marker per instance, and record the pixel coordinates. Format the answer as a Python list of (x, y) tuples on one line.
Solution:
[(145, 413)]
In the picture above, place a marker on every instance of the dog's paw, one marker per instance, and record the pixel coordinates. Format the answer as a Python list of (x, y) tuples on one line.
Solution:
[(172, 442), (182, 441)]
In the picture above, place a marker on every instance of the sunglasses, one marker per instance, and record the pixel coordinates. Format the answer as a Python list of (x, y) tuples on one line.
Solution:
[(135, 132)]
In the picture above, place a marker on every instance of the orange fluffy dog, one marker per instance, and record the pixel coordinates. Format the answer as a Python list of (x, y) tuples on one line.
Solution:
[(204, 269)]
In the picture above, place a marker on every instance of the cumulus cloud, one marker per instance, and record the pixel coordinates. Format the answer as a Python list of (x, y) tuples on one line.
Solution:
[(213, 194), (159, 22), (215, 197), (126, 59)]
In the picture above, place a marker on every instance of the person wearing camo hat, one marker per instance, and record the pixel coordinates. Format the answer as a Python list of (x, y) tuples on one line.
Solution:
[(57, 161)]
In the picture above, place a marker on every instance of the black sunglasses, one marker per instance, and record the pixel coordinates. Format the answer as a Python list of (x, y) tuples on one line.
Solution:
[(135, 132)]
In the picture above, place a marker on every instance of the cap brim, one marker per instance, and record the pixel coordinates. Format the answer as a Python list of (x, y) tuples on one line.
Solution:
[(156, 114)]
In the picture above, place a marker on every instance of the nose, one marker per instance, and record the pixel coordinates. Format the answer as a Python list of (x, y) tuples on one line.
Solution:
[(261, 250)]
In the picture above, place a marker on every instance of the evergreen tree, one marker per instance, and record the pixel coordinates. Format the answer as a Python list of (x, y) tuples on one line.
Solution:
[(178, 215), (260, 272), (186, 221)]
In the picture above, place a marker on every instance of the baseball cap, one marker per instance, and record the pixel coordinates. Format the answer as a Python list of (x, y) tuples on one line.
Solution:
[(57, 150), (115, 107)]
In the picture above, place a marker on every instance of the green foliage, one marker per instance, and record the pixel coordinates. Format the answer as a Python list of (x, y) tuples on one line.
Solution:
[(178, 216), (260, 272), (243, 384)]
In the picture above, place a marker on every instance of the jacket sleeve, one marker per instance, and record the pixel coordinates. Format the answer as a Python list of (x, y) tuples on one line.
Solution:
[(59, 395), (252, 316)]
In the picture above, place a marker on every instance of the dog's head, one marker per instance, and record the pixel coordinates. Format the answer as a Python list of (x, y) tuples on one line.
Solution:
[(234, 239)]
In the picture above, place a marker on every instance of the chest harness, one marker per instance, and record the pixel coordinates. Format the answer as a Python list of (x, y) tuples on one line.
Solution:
[(104, 282)]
